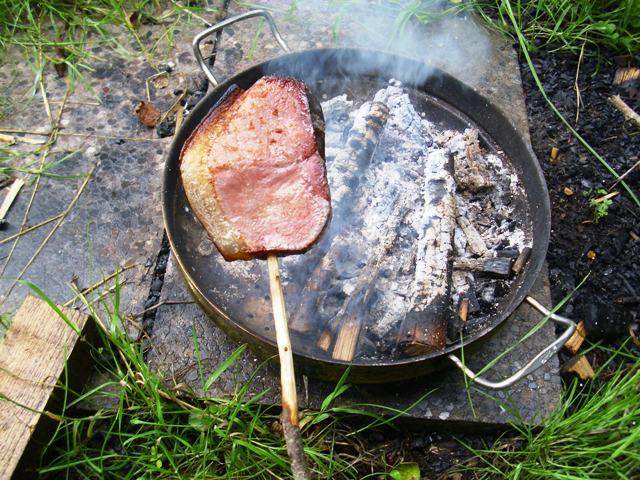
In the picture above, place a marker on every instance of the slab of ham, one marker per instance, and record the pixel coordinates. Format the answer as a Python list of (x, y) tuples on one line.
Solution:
[(254, 174)]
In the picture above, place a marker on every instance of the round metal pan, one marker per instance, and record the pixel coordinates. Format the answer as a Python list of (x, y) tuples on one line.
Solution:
[(327, 71)]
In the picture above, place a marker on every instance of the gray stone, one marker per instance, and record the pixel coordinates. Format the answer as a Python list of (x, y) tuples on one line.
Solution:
[(117, 220)]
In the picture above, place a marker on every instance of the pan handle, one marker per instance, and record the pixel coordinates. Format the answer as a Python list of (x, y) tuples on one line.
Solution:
[(225, 23), (539, 360)]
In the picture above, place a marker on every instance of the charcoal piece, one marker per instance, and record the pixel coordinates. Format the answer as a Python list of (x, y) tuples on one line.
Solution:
[(488, 294), (423, 332), (508, 252), (474, 304), (495, 267), (498, 266)]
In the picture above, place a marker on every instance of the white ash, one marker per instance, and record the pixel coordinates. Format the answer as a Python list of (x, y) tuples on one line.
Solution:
[(497, 179), (392, 240), (338, 158)]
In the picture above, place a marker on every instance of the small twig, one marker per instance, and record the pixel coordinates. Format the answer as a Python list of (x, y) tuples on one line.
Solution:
[(47, 107), (8, 140), (621, 177), (98, 284), (148, 80), (31, 228), (177, 103), (108, 137), (76, 102), (626, 75), (575, 83), (626, 110), (18, 183), (604, 198), (25, 132)]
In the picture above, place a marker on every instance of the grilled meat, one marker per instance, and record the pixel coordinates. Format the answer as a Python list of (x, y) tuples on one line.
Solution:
[(253, 171)]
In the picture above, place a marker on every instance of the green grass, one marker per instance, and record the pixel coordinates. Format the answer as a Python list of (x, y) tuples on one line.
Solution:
[(567, 25), (154, 431), (68, 34), (593, 435)]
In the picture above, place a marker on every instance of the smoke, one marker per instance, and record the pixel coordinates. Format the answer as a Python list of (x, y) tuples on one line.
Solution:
[(456, 44)]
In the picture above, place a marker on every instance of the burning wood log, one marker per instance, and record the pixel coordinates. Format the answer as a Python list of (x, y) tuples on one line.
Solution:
[(424, 328), (463, 309), (521, 261), (626, 74), (344, 178), (356, 307), (580, 366), (497, 266), (362, 141)]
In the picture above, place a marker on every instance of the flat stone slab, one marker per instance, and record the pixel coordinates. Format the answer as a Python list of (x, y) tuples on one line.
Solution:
[(441, 398), (489, 65), (116, 223)]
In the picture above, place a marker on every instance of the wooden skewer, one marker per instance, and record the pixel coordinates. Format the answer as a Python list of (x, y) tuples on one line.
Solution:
[(289, 417)]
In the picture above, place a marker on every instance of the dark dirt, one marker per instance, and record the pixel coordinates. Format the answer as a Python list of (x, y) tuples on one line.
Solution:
[(609, 249)]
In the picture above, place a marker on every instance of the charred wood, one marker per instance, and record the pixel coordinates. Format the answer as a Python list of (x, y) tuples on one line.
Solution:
[(497, 266), (344, 178), (424, 329), (476, 244), (521, 261)]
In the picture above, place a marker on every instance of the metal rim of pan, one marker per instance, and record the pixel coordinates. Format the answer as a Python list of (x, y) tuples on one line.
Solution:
[(316, 66)]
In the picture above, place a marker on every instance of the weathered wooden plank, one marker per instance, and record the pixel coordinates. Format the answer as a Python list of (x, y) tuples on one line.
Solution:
[(32, 359)]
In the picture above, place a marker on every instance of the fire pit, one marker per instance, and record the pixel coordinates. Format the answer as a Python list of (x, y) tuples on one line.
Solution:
[(427, 251)]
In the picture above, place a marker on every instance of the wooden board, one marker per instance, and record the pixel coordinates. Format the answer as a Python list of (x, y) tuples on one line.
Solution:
[(32, 358)]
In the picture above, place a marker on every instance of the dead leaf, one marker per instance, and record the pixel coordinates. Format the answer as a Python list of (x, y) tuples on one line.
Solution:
[(161, 82), (8, 139), (148, 114), (133, 20)]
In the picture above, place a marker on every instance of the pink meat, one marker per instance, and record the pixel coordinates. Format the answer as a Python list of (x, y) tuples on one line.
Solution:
[(253, 172)]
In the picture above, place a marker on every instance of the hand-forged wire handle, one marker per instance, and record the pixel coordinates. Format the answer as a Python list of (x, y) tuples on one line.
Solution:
[(225, 23), (539, 360)]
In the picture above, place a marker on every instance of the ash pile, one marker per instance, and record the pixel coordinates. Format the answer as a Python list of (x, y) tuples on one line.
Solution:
[(430, 226)]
